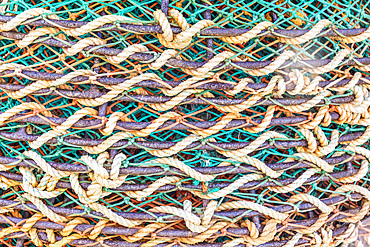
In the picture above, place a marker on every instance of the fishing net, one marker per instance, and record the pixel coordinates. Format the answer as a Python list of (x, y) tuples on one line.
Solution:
[(202, 123)]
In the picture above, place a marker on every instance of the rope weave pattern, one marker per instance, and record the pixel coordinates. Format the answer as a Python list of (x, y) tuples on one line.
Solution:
[(171, 123)]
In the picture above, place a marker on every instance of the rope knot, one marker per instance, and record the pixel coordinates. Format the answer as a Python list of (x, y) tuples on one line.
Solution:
[(93, 78), (104, 120), (216, 77), (44, 15), (165, 167), (271, 142), (183, 39), (203, 141), (18, 71), (223, 231), (125, 163), (179, 185), (310, 116), (137, 68), (179, 119), (227, 62), (130, 141), (22, 199), (247, 119), (87, 210), (327, 101), (21, 157), (126, 200), (36, 111), (270, 29), (160, 219), (60, 140), (118, 25)]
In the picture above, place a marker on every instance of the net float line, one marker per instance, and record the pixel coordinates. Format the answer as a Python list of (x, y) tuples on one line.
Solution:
[(232, 231), (211, 185), (43, 236), (109, 81), (116, 230), (152, 145), (147, 170), (188, 125), (153, 216), (212, 32), (179, 63), (199, 100)]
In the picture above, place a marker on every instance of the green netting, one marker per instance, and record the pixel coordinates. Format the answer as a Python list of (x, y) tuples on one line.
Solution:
[(225, 14)]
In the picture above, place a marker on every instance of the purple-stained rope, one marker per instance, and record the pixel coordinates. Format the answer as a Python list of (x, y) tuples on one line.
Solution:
[(304, 206), (146, 171), (210, 186), (215, 32), (165, 6), (209, 41), (130, 144), (35, 75), (154, 99), (118, 243), (173, 233), (178, 63)]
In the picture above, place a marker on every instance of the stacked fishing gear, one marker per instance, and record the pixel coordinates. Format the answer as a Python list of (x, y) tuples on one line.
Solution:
[(184, 123)]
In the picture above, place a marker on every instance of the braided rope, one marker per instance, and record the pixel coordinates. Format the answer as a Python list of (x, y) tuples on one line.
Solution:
[(44, 209), (24, 16), (332, 64), (293, 241), (179, 146), (61, 129), (204, 235), (182, 39), (34, 35), (95, 24), (152, 187), (313, 159), (144, 232), (81, 45), (230, 188), (41, 84), (29, 185), (254, 145), (253, 206), (302, 86), (211, 64), (268, 234), (44, 165), (186, 169), (315, 226), (245, 37), (107, 143), (311, 199), (98, 207), (19, 108), (297, 183), (280, 60), (315, 30)]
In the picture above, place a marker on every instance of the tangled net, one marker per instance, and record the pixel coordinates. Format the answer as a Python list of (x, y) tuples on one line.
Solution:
[(202, 123)]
